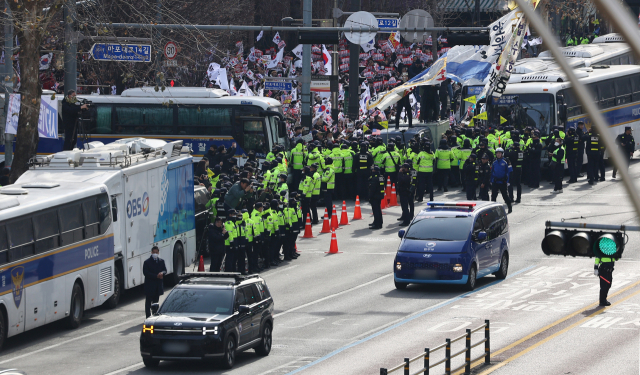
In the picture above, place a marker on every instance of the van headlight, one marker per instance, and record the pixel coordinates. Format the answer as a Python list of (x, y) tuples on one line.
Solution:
[(457, 268), (398, 266)]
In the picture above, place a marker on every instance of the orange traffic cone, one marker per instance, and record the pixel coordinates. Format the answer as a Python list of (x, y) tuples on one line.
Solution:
[(357, 214), (383, 203), (394, 199), (344, 220), (334, 218), (326, 227), (201, 264), (333, 248), (307, 228), (387, 191)]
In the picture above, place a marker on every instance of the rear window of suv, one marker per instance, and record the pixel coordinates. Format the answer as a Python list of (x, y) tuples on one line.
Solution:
[(196, 300)]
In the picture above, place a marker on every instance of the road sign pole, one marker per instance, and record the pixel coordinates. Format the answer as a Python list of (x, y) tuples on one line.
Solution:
[(354, 62), (305, 95), (70, 46), (158, 36)]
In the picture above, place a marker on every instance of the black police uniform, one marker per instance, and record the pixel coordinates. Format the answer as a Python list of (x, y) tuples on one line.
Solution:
[(484, 178), (516, 157), (534, 153), (470, 173), (572, 146), (404, 192), (593, 154), (376, 194), (216, 246), (363, 162), (627, 146)]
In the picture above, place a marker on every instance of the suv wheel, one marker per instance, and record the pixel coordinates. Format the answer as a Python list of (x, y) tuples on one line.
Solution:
[(504, 267), (150, 362), (473, 276), (264, 348), (229, 358)]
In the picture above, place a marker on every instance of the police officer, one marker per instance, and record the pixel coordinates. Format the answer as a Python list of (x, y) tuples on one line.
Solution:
[(500, 178), (364, 161), (470, 176), (424, 163), (558, 158), (572, 146), (391, 162), (484, 177), (516, 158), (348, 160), (315, 196), (534, 152), (604, 270), (403, 189), (230, 242), (627, 146), (306, 192), (328, 185), (217, 235), (297, 163), (593, 153), (376, 194), (444, 157)]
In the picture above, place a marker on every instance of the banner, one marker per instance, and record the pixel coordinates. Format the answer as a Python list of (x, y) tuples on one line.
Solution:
[(47, 121)]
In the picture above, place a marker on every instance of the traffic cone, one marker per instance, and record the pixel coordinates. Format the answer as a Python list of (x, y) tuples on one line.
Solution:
[(387, 191), (334, 218), (326, 227), (201, 264), (333, 248), (307, 228), (357, 214), (394, 199), (344, 220), (383, 203)]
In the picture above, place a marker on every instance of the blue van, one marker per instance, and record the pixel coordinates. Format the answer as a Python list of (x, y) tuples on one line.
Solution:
[(453, 243)]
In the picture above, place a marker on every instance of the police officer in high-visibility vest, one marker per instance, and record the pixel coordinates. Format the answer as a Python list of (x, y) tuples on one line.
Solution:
[(297, 163), (230, 243), (258, 238), (241, 243), (558, 157), (391, 163), (337, 155), (364, 161), (376, 194), (211, 205), (444, 157), (306, 191), (317, 181), (348, 157), (282, 186), (604, 270), (470, 173), (516, 157), (424, 164), (328, 185)]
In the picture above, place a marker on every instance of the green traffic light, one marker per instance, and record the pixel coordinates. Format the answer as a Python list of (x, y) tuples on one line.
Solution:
[(607, 246)]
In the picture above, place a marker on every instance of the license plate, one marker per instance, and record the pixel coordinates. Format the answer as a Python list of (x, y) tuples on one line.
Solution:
[(175, 347), (425, 274)]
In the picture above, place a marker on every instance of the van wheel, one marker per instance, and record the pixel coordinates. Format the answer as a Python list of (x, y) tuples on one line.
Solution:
[(178, 263), (400, 286), (76, 310), (473, 276), (117, 289), (504, 267)]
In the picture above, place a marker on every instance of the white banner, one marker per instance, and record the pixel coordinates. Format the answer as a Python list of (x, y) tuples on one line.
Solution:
[(47, 121)]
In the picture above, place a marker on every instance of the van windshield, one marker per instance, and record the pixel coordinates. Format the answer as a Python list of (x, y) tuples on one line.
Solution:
[(440, 229)]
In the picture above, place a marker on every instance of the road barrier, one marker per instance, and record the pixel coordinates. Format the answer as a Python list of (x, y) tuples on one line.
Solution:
[(448, 356)]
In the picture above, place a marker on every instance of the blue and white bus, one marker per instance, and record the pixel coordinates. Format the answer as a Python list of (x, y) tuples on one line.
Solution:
[(199, 117), (56, 253)]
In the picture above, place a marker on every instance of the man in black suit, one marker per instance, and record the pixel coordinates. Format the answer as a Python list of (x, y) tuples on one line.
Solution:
[(154, 271)]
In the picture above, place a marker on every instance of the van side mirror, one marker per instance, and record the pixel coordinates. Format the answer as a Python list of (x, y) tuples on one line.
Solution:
[(401, 233), (481, 236), (154, 308)]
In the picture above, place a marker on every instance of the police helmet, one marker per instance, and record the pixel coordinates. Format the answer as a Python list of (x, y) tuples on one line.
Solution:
[(282, 175), (258, 205), (499, 149)]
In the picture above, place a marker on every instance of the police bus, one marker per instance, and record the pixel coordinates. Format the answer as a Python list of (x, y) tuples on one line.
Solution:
[(56, 253), (147, 187), (608, 49), (199, 117)]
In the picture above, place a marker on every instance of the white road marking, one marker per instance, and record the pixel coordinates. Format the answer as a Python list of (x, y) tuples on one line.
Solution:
[(139, 320), (132, 367)]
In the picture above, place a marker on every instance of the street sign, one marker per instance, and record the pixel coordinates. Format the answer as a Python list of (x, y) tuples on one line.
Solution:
[(387, 23), (278, 85), (121, 52), (170, 63), (416, 19), (170, 50), (359, 20)]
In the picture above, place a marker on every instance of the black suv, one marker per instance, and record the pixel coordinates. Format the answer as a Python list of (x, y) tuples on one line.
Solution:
[(209, 315)]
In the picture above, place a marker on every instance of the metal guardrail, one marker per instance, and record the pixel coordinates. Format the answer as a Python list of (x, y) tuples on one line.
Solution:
[(427, 365)]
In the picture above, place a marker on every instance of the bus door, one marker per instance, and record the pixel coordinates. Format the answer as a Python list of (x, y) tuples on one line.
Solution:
[(251, 135)]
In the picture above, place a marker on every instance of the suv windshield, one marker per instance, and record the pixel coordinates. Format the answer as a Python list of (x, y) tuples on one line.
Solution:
[(440, 229), (203, 301)]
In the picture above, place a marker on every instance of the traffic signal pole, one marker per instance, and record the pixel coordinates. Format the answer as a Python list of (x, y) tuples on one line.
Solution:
[(70, 46), (562, 224), (305, 95)]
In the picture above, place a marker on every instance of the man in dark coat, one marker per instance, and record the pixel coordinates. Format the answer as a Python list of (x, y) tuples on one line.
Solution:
[(70, 113), (217, 235), (404, 192), (154, 271)]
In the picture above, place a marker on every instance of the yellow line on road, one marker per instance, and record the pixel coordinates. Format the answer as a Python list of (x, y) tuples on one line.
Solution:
[(513, 345)]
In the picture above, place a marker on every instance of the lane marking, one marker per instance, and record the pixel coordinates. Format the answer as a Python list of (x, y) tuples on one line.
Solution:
[(136, 366), (512, 345), (545, 340), (70, 340), (404, 321), (332, 296)]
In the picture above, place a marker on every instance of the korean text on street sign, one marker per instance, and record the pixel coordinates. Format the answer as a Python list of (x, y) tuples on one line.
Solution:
[(278, 85), (387, 23), (121, 52)]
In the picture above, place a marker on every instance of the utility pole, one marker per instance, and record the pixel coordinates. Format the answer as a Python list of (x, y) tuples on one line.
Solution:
[(8, 82), (305, 113), (354, 73), (70, 46), (334, 71), (158, 36)]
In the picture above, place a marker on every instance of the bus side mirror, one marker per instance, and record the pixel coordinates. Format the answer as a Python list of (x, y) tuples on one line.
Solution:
[(114, 213), (562, 112)]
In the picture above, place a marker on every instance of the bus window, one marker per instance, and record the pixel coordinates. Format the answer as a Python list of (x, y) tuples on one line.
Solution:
[(605, 95), (253, 137), (20, 239), (47, 232), (104, 213), (635, 86), (100, 122), (204, 120), (4, 248), (71, 223), (155, 119), (623, 90), (624, 60), (90, 209), (276, 133)]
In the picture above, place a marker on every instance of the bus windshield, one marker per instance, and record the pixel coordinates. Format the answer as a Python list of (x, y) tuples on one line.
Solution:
[(522, 110)]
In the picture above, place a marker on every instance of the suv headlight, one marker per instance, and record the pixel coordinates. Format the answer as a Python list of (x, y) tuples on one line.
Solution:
[(457, 267), (210, 331), (146, 328), (398, 266)]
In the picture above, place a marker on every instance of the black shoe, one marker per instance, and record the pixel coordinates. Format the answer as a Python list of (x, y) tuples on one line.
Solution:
[(375, 227), (445, 190), (602, 179), (418, 200), (605, 303), (316, 223), (518, 201), (591, 182), (438, 189), (581, 175), (266, 267), (287, 258), (510, 209), (400, 219)]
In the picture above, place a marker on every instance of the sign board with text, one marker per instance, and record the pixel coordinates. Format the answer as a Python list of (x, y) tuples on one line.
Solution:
[(387, 25), (121, 52)]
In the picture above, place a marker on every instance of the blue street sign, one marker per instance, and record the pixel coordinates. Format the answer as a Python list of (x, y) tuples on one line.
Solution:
[(387, 23), (278, 85), (121, 52)]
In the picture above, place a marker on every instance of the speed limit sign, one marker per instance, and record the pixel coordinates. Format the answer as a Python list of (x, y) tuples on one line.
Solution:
[(170, 50)]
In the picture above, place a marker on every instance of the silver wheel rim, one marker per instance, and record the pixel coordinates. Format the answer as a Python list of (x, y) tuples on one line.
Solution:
[(230, 352), (267, 339)]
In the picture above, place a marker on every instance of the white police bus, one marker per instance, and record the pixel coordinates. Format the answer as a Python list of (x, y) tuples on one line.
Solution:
[(148, 185), (56, 253)]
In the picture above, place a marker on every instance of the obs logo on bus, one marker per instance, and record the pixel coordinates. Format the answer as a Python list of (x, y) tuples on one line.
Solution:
[(138, 206)]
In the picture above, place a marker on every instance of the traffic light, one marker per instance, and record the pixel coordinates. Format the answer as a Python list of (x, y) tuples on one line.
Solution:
[(583, 243), (468, 39)]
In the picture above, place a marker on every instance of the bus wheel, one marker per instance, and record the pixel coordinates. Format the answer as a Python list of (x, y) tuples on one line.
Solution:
[(178, 263), (76, 309), (3, 328), (117, 289)]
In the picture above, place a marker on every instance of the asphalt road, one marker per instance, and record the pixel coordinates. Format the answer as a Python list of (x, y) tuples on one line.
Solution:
[(340, 314)]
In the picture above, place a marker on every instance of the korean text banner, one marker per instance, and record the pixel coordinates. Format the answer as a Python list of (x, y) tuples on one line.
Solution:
[(47, 121)]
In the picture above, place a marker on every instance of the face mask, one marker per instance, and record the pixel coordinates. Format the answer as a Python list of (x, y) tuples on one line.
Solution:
[(556, 144), (154, 256)]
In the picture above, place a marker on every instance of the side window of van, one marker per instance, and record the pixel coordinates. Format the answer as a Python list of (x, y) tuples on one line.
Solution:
[(477, 226), (504, 223)]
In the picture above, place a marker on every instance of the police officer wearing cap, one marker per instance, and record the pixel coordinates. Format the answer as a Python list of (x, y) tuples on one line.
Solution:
[(376, 194), (363, 161), (627, 147), (328, 185), (572, 145), (404, 192), (603, 268), (484, 178), (500, 170), (306, 192), (515, 154), (470, 176)]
